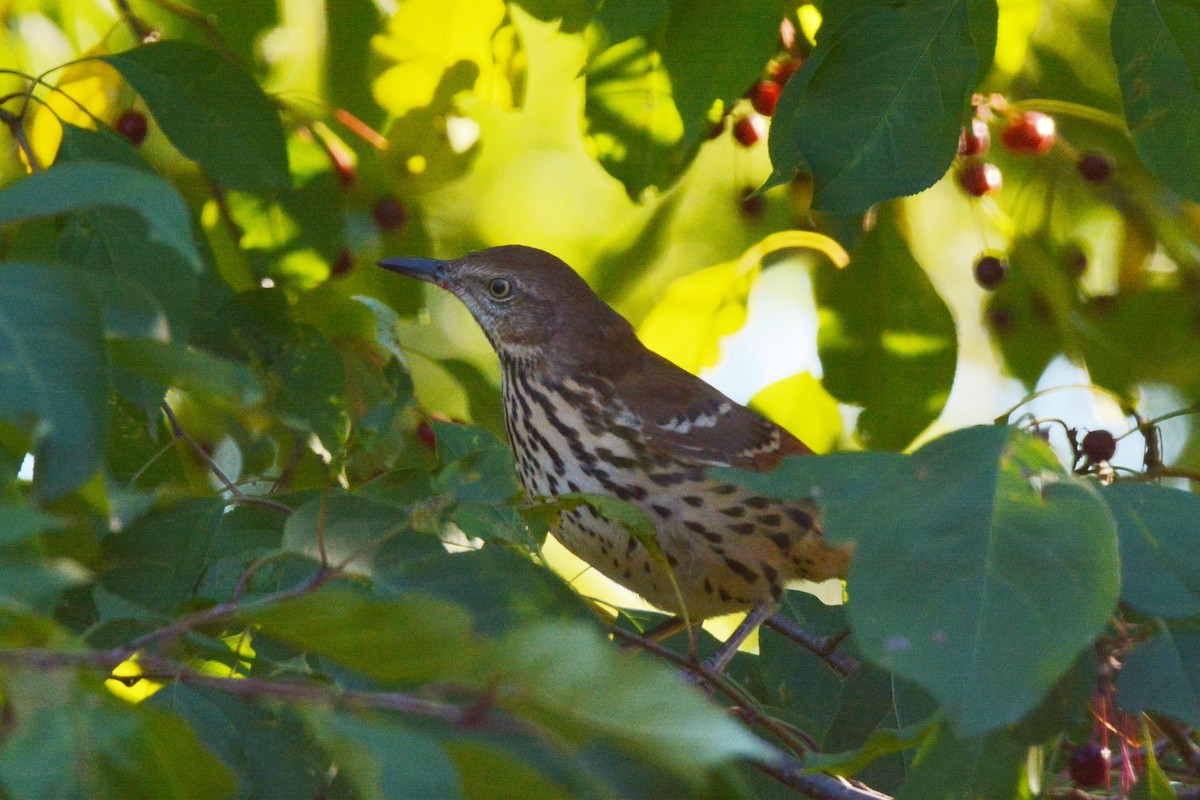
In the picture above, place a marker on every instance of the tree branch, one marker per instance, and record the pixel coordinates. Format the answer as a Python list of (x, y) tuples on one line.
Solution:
[(824, 647)]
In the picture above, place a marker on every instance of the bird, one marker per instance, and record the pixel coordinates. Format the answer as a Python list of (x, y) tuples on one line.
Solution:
[(589, 410)]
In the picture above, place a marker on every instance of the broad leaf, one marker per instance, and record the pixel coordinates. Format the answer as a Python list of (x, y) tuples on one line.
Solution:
[(201, 375), (53, 371), (212, 110), (412, 638), (1160, 548), (382, 759), (982, 767), (875, 112), (575, 682), (887, 341), (19, 523), (87, 184), (1155, 43), (981, 571), (1162, 674)]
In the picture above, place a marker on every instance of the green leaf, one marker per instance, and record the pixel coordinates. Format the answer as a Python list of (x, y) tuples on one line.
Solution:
[(348, 525), (34, 583), (157, 561), (88, 184), (266, 747), (1162, 675), (987, 767), (479, 467), (90, 746), (875, 112), (53, 372), (18, 523), (1155, 43), (1160, 548), (980, 572), (886, 339), (210, 109), (576, 683), (882, 742), (205, 377), (1153, 784), (411, 638), (382, 759), (130, 273)]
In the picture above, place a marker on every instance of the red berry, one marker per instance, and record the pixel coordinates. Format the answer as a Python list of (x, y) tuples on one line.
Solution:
[(749, 129), (763, 96), (1090, 764), (390, 214), (751, 204), (974, 139), (781, 71), (979, 178), (1099, 446), (1095, 167), (1075, 259), (1031, 132), (989, 271), (717, 129), (425, 435), (342, 265), (133, 126)]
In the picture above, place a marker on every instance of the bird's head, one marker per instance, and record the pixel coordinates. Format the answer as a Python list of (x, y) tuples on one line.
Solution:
[(528, 302)]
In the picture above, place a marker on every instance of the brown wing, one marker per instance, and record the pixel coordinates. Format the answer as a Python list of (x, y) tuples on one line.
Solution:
[(689, 419)]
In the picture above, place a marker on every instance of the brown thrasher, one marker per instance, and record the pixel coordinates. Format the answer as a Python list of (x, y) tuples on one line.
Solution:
[(589, 409)]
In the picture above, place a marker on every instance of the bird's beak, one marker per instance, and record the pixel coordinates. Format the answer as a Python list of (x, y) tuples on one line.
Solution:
[(426, 269)]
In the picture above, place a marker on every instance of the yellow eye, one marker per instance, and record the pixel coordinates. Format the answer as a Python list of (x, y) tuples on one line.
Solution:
[(500, 288)]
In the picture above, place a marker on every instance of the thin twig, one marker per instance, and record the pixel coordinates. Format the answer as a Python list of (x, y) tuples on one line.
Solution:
[(817, 785), (823, 647), (238, 495)]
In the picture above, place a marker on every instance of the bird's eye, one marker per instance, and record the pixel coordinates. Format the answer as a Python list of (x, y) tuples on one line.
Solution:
[(500, 288)]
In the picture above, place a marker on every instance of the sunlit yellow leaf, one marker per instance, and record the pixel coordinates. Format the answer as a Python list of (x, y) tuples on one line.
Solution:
[(802, 406), (90, 85), (134, 691), (697, 310), (426, 37), (1017, 21)]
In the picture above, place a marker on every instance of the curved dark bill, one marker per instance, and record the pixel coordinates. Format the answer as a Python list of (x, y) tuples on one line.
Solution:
[(426, 269)]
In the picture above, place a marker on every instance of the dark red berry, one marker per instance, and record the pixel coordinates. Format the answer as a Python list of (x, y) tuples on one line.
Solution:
[(425, 435), (989, 271), (763, 96), (1095, 167), (749, 129), (1075, 260), (1000, 320), (1031, 132), (781, 72), (1099, 446), (390, 214), (133, 126), (974, 139), (717, 129), (1090, 764), (751, 204), (342, 265), (979, 178)]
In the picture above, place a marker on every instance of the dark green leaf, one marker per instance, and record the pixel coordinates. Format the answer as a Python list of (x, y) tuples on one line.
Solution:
[(887, 341), (1162, 675), (201, 375), (1160, 548), (1153, 783), (987, 767), (18, 523), (383, 760), (347, 525), (33, 583), (882, 742), (157, 561), (98, 748), (1155, 43), (53, 371), (88, 184), (980, 572), (146, 288), (210, 109), (411, 638), (875, 113)]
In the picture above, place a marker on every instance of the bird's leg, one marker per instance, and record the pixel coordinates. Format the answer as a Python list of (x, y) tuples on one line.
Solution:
[(662, 631), (726, 652)]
